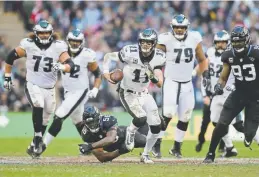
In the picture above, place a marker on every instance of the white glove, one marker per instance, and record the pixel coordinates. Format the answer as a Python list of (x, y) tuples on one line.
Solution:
[(8, 81), (58, 67), (92, 93), (149, 71)]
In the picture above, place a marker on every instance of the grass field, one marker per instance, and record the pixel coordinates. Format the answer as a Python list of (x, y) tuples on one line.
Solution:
[(62, 159)]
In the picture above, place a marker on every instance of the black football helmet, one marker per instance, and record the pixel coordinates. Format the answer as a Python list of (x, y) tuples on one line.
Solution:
[(240, 38), (147, 36), (91, 117)]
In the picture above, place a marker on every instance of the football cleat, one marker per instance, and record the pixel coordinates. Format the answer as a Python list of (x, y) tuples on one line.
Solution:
[(230, 152), (145, 159), (209, 158), (176, 151), (29, 150), (198, 147), (129, 140)]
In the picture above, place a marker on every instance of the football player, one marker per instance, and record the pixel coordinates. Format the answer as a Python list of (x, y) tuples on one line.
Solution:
[(45, 56), (103, 137), (76, 85), (242, 59), (142, 64), (182, 47)]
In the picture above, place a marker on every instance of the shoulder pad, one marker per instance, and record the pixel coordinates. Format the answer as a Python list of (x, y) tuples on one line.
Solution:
[(25, 43), (160, 52), (89, 54), (162, 38), (61, 46), (108, 122)]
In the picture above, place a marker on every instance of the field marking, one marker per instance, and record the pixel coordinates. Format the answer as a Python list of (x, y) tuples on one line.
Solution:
[(92, 160)]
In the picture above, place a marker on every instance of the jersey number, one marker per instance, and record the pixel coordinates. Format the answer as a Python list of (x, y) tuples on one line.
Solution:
[(48, 63), (137, 76), (215, 73), (188, 54), (74, 73), (248, 70)]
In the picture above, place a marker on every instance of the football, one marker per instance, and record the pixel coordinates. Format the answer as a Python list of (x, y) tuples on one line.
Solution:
[(116, 75)]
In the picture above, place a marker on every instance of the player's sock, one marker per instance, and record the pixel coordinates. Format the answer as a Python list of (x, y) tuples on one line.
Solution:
[(180, 131), (132, 127), (37, 118), (219, 131), (227, 140), (151, 140), (48, 138), (43, 129)]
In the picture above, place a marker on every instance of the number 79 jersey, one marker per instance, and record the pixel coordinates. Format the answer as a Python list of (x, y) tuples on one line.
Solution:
[(78, 79), (134, 71), (245, 69), (180, 55), (39, 62)]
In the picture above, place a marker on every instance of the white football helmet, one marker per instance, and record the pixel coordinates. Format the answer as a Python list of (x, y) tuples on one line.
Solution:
[(180, 21), (221, 36), (43, 26), (75, 35)]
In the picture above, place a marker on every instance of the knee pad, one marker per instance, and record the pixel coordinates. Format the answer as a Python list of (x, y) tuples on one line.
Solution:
[(165, 122), (182, 125), (155, 129), (239, 126), (139, 122)]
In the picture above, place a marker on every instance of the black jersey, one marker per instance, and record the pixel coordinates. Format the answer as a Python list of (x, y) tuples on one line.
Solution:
[(245, 68), (106, 124)]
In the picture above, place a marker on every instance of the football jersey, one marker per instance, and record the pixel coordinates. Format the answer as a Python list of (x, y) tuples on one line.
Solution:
[(39, 62), (215, 69), (106, 123), (180, 55), (78, 79), (245, 68), (134, 71)]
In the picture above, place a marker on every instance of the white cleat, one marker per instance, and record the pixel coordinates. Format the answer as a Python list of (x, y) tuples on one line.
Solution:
[(145, 159), (129, 140)]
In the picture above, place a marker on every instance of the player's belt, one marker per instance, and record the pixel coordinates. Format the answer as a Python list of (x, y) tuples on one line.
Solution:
[(134, 92)]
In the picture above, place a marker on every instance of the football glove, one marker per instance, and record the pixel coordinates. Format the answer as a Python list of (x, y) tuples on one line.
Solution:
[(8, 81), (58, 67), (85, 148), (206, 79), (93, 93), (218, 89), (150, 73)]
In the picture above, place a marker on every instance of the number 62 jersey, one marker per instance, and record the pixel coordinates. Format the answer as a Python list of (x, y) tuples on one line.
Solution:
[(134, 71), (245, 68)]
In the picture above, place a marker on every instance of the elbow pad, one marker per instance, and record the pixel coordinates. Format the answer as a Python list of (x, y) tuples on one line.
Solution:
[(11, 57), (70, 63), (97, 72)]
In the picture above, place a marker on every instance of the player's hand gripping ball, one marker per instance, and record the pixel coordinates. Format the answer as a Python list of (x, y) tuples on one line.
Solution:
[(116, 75)]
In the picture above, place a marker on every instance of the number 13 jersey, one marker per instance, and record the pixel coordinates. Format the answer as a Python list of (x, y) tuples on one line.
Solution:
[(134, 71), (39, 62), (180, 55)]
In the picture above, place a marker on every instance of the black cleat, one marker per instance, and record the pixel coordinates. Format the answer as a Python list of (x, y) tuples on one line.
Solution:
[(247, 144), (230, 152), (156, 149), (176, 151), (39, 146), (198, 147), (209, 158), (30, 150)]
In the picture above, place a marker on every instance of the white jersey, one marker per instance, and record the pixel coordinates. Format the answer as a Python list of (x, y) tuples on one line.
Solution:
[(180, 55), (39, 62), (135, 77), (78, 79), (216, 67)]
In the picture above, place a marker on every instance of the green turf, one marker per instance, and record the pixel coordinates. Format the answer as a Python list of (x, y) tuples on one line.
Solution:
[(68, 147)]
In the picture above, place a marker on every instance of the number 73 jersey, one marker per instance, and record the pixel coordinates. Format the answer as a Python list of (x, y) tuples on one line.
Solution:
[(39, 62), (135, 67), (245, 69), (180, 55)]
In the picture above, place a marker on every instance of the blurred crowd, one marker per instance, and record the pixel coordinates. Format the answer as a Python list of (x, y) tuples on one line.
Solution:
[(108, 26)]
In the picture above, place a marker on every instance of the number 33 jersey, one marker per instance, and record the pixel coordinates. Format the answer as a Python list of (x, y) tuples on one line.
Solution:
[(180, 55), (78, 79), (134, 71), (39, 62), (245, 69)]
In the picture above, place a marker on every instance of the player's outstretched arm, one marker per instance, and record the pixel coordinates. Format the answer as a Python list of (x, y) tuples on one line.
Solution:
[(105, 156), (109, 139), (203, 61), (224, 74), (66, 64), (16, 53), (94, 68), (106, 64)]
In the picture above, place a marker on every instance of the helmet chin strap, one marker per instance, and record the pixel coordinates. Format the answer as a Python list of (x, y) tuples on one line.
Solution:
[(240, 50)]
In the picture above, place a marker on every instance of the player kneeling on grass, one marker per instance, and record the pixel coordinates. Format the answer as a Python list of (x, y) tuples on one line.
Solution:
[(101, 133)]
